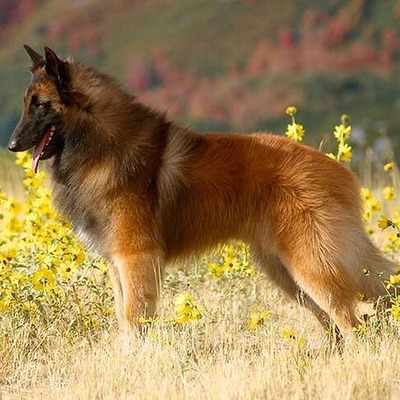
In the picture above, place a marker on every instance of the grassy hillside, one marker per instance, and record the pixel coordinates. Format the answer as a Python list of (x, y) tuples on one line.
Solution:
[(228, 64)]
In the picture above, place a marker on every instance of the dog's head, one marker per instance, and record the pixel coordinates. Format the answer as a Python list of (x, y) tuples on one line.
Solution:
[(45, 102)]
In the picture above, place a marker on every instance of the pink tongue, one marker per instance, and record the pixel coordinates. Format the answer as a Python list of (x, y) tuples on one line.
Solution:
[(38, 151)]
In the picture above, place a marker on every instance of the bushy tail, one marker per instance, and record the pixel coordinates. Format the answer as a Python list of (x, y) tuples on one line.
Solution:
[(374, 272)]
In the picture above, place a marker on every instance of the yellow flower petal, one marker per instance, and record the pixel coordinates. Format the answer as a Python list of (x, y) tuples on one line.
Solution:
[(384, 222), (388, 193), (388, 167), (395, 279), (291, 110)]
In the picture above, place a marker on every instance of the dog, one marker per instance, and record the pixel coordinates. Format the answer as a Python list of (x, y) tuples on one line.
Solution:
[(143, 191)]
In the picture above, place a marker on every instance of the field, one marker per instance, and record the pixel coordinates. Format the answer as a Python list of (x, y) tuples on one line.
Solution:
[(222, 332)]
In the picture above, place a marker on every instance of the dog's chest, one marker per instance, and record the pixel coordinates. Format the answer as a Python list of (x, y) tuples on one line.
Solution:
[(86, 215), (90, 227)]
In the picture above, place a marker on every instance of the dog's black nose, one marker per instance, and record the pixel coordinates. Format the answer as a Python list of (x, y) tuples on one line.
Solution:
[(12, 145)]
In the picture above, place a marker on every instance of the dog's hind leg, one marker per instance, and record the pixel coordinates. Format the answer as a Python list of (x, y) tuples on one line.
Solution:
[(279, 275), (328, 284)]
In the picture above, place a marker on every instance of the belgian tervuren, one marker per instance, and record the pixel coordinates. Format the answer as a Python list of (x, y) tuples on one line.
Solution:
[(143, 191)]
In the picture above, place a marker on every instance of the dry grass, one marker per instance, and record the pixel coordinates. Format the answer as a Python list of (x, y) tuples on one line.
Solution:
[(216, 357)]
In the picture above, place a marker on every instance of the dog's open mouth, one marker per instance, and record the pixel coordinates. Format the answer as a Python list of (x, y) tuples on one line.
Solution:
[(40, 148)]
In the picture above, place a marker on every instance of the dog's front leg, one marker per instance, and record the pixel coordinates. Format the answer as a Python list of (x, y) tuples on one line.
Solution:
[(139, 276)]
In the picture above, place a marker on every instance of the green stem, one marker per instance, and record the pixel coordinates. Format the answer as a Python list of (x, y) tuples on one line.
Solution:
[(341, 142)]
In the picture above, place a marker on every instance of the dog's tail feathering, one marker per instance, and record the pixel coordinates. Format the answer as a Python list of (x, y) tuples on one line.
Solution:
[(346, 268), (374, 271), (345, 247), (364, 268)]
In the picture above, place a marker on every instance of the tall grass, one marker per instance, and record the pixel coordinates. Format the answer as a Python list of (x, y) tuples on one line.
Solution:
[(214, 358)]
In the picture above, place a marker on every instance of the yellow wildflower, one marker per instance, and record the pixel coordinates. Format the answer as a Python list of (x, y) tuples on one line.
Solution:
[(295, 132), (388, 193), (366, 194), (360, 328), (216, 269), (64, 270), (186, 309), (342, 132), (9, 251), (370, 230), (344, 152), (376, 205), (388, 166), (396, 218), (230, 262), (395, 279), (80, 257), (5, 302), (394, 310), (291, 110), (291, 336), (17, 279), (371, 204), (24, 159), (43, 279), (257, 319), (111, 310), (29, 307), (394, 242), (384, 222), (102, 265)]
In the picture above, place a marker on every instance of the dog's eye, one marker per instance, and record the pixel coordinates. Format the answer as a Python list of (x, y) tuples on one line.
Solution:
[(38, 105)]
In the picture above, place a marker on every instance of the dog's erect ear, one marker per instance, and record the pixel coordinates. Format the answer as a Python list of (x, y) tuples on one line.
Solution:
[(37, 59), (56, 68)]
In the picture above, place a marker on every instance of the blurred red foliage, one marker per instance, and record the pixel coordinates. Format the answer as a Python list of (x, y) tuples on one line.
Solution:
[(324, 44), (339, 39), (12, 12)]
